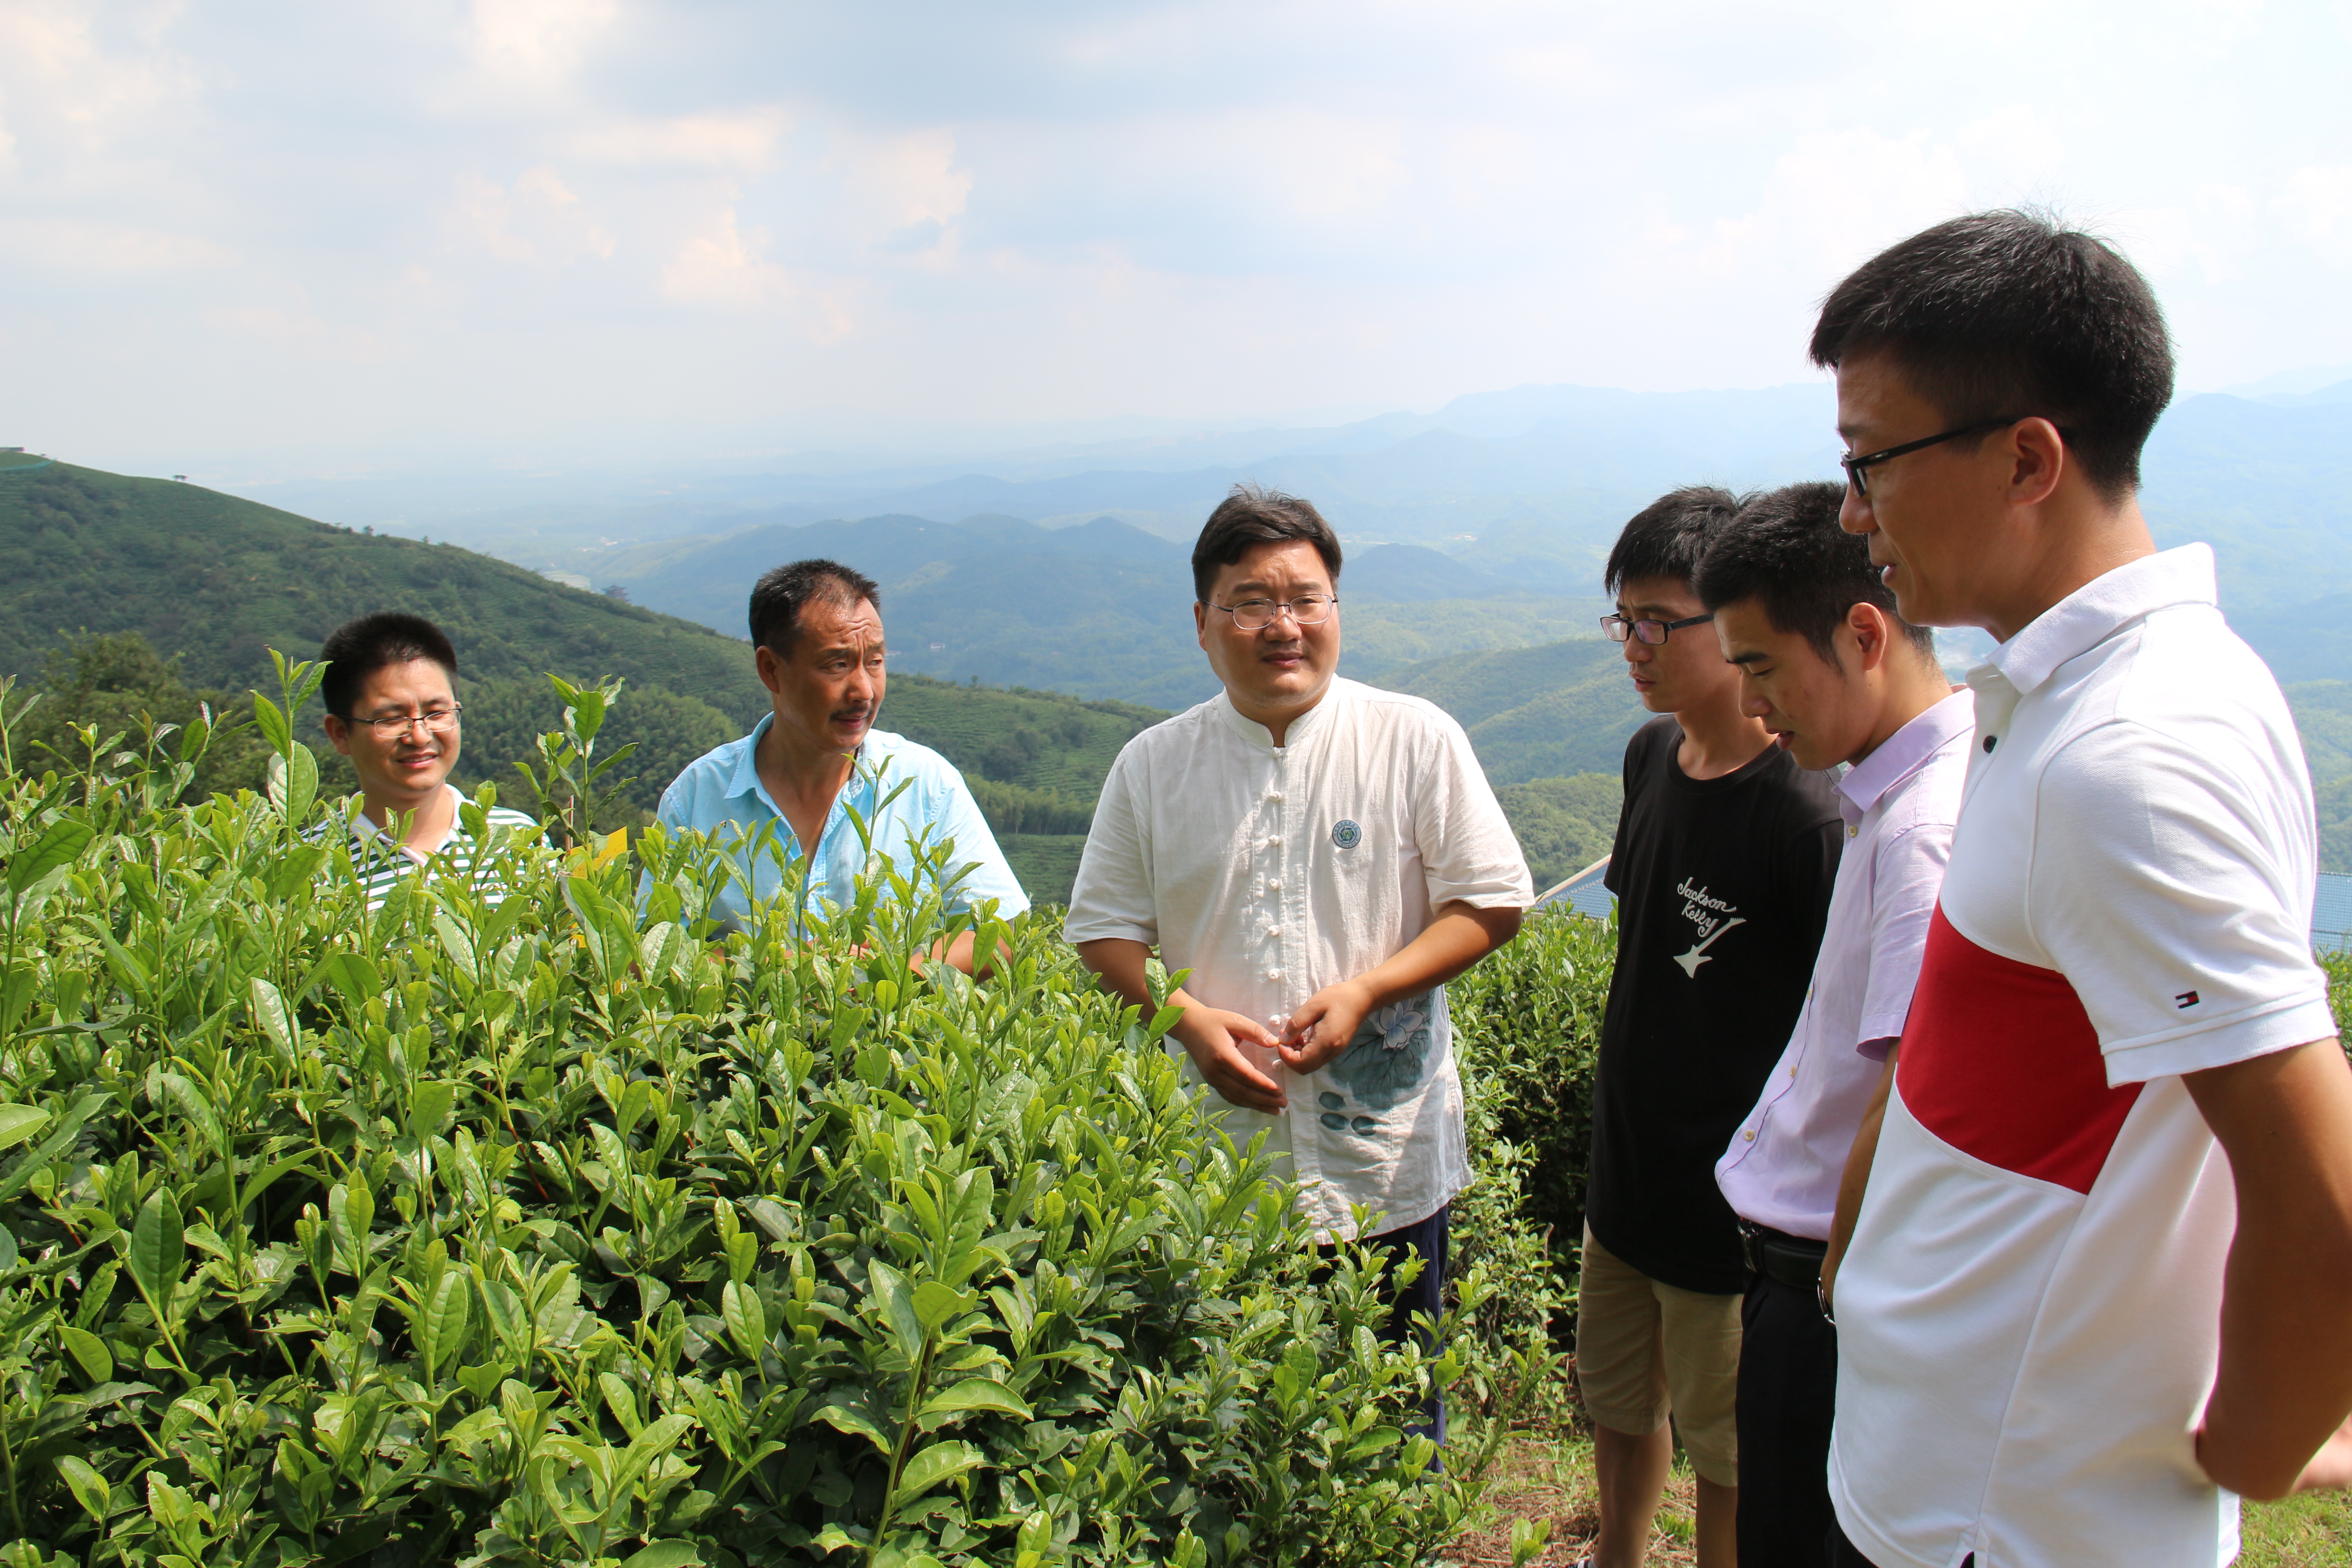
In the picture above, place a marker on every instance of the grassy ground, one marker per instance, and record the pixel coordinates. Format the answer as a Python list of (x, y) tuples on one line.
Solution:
[(1549, 1477)]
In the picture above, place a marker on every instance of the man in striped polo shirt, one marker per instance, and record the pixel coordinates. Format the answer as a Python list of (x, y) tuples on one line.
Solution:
[(390, 710)]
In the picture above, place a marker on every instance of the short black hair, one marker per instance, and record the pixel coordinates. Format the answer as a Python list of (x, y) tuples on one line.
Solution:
[(2006, 315), (1666, 538), (1785, 551), (357, 649), (1252, 516), (777, 597)]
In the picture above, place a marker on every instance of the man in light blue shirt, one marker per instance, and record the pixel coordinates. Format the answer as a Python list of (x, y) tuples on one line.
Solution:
[(795, 781)]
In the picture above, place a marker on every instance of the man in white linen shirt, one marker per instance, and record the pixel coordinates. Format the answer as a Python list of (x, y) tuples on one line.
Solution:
[(2101, 1278), (1836, 677), (1322, 857)]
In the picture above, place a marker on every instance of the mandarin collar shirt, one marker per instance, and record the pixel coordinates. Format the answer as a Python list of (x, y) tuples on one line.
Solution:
[(1900, 802), (720, 793), (1269, 872)]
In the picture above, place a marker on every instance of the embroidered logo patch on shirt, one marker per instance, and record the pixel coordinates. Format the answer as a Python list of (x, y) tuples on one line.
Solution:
[(1347, 835)]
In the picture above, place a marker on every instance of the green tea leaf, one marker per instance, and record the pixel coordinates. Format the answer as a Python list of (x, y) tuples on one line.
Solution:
[(938, 1463), (19, 1122), (663, 1554), (889, 1289), (89, 1353), (935, 1303), (657, 1438), (973, 1394), (88, 1487), (37, 1159), (746, 1320), (197, 1106), (60, 845), (857, 1423), (269, 1013), (430, 1108), (271, 721), (159, 1252), (448, 1313), (302, 791)]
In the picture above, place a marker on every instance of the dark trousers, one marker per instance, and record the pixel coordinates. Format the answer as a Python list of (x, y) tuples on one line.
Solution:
[(1843, 1555), (1788, 1393), (1842, 1552), (1425, 1294)]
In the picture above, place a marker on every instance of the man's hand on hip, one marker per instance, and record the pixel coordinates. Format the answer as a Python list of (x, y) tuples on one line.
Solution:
[(1324, 1025), (1221, 1045)]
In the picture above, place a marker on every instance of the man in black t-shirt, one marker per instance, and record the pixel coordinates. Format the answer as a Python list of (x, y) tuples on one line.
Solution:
[(1726, 855)]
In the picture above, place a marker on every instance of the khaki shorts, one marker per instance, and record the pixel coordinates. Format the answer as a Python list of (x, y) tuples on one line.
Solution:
[(1646, 1351)]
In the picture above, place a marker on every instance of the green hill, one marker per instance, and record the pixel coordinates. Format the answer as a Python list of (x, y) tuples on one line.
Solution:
[(1563, 825), (1550, 711), (98, 569)]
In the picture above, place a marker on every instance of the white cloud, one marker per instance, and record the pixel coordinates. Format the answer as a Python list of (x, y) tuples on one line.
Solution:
[(724, 266), (739, 141), (539, 41), (538, 220), (746, 213), (73, 247)]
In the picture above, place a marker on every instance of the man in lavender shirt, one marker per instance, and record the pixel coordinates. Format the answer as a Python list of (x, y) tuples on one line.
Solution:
[(1838, 677)]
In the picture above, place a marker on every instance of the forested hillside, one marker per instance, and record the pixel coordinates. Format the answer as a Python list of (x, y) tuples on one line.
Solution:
[(1550, 711), (121, 598)]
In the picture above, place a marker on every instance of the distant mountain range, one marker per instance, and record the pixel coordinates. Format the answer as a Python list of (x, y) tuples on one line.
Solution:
[(1476, 536), (1478, 527)]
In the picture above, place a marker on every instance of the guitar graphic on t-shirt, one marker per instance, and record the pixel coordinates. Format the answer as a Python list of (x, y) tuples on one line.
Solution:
[(1712, 916)]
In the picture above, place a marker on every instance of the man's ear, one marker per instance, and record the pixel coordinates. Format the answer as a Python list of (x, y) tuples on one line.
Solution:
[(2038, 459), (339, 733), (1873, 633), (770, 668), (1201, 621)]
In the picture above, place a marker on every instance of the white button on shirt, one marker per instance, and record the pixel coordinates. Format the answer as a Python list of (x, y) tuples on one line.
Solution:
[(1899, 803), (1383, 816)]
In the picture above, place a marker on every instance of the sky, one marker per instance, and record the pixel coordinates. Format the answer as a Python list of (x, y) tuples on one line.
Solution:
[(268, 240)]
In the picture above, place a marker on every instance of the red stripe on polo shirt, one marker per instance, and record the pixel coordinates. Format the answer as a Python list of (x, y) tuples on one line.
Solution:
[(2000, 1061)]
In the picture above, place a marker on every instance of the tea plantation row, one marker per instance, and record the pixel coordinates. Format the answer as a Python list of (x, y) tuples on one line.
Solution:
[(515, 1221)]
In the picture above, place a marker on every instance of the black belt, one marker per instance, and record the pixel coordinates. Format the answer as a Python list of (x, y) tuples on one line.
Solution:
[(1790, 1259)]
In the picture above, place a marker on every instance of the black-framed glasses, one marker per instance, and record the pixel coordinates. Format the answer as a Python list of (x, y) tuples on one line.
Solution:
[(1856, 468), (1256, 614), (440, 720), (1620, 627)]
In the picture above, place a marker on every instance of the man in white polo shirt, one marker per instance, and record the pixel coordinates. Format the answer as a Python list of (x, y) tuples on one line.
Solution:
[(1837, 677), (2101, 1277), (1322, 857)]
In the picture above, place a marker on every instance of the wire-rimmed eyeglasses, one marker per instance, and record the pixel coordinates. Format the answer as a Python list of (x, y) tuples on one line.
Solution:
[(1617, 628), (1256, 614), (392, 727)]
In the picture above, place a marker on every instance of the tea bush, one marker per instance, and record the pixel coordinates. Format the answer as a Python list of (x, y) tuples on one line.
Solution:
[(513, 1222), (1530, 1017)]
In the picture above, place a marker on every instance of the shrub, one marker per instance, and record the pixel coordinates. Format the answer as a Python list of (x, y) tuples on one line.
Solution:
[(1531, 1016), (533, 1228)]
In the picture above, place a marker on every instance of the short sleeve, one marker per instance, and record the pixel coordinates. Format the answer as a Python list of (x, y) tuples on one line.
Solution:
[(1114, 896), (2171, 885), (986, 872), (1468, 853), (673, 813), (1907, 876)]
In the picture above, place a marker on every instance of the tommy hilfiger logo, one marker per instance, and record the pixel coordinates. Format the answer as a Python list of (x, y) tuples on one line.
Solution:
[(2186, 999)]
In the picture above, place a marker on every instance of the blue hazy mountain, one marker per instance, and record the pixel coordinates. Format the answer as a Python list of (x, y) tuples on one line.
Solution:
[(1063, 566)]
